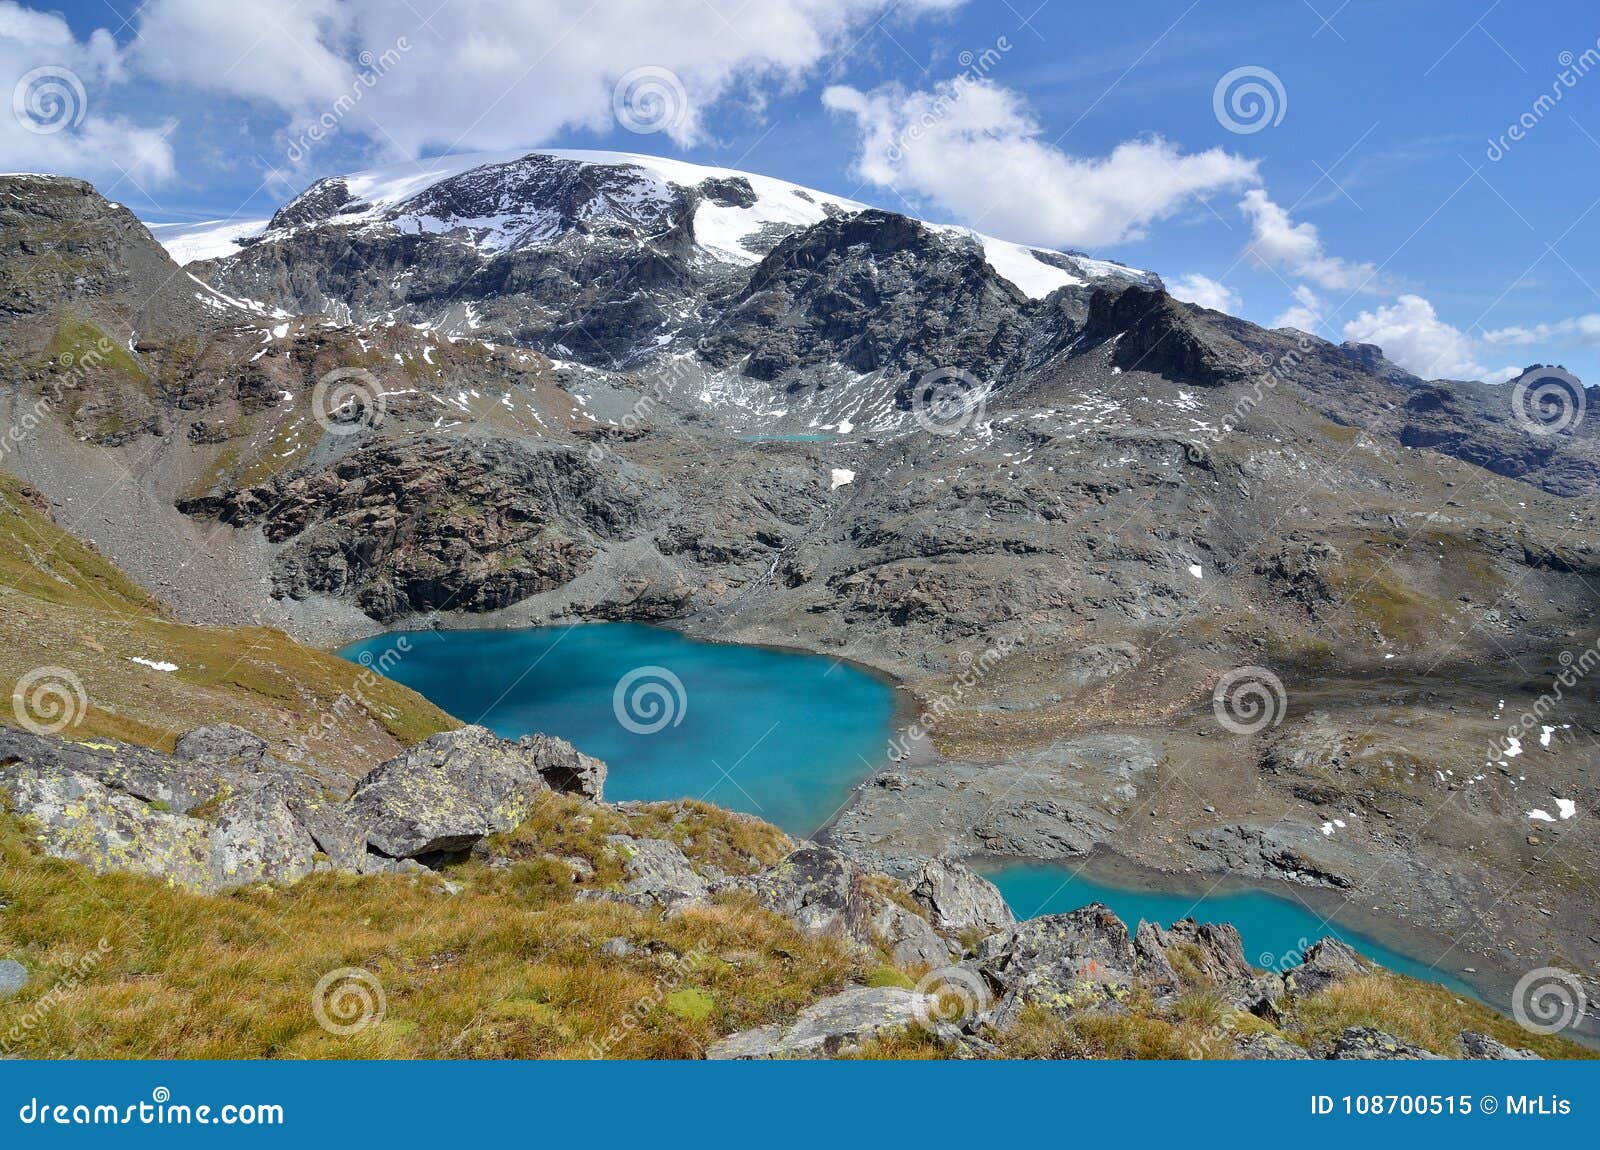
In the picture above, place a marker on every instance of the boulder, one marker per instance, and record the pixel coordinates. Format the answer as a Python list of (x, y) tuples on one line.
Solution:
[(957, 897), (1326, 962), (1264, 1046), (1206, 952), (1065, 963), (1363, 1043), (909, 938), (658, 872), (838, 1024), (1482, 1047), (450, 790), (221, 743)]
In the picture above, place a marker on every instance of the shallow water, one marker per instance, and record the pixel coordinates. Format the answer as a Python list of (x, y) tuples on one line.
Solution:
[(1275, 930), (781, 735)]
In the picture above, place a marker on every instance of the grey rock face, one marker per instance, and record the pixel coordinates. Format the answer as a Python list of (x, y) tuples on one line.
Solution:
[(658, 871), (957, 897), (1325, 963), (13, 977), (453, 788), (1481, 1046), (1363, 1043), (1063, 962), (830, 1027)]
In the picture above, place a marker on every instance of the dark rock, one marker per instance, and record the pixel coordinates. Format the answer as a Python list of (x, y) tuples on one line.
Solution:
[(1481, 1046)]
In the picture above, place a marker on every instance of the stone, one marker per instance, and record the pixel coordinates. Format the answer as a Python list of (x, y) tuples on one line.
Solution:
[(835, 1025), (1326, 962), (957, 897), (1364, 1043), (447, 792), (13, 977), (657, 870), (909, 938), (1482, 1047), (1066, 963), (618, 947), (221, 742), (1263, 1046)]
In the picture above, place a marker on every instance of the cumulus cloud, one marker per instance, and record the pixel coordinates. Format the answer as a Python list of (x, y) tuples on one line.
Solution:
[(973, 148), (1306, 312), (1413, 336), (1278, 242), (60, 120), (514, 73), (1579, 331), (1206, 292)]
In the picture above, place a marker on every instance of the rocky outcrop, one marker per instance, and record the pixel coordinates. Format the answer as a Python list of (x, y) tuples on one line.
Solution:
[(1325, 963), (435, 524), (1366, 1044), (223, 812), (836, 1025), (823, 892), (452, 789), (1482, 1047), (957, 898), (1066, 963)]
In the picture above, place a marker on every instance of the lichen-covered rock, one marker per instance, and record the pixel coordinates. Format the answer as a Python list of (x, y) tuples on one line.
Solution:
[(1065, 963), (1326, 962), (1363, 1043), (909, 938), (835, 1025), (75, 816), (1482, 1047), (1206, 952), (256, 838), (957, 897), (658, 871), (1264, 1046)]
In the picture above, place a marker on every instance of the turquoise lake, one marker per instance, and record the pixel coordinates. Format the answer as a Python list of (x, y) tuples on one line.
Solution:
[(1275, 930), (781, 735)]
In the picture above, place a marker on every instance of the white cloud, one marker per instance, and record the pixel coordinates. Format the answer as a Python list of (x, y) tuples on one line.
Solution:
[(495, 74), (1579, 331), (65, 126), (1206, 292), (1413, 336), (1278, 242), (973, 148), (1306, 312)]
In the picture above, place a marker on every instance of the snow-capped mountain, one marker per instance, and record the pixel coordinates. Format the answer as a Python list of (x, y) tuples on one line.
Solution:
[(503, 201)]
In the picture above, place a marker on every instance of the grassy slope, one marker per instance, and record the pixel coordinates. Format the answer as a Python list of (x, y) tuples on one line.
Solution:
[(62, 604), (510, 966)]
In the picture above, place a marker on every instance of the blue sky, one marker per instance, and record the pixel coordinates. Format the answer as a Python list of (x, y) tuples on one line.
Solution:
[(1368, 204)]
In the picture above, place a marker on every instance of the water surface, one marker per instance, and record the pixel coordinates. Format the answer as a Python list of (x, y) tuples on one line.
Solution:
[(781, 735), (1275, 930)]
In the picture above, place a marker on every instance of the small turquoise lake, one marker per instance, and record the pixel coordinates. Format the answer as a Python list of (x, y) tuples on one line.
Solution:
[(1275, 930), (781, 735)]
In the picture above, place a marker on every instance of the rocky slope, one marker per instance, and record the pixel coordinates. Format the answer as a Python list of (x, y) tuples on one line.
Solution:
[(1060, 506), (727, 939)]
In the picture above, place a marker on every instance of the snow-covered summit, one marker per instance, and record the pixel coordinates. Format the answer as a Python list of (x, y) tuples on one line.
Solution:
[(500, 201)]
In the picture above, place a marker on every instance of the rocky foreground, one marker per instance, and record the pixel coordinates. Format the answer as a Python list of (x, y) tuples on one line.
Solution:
[(779, 949)]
